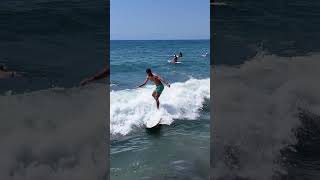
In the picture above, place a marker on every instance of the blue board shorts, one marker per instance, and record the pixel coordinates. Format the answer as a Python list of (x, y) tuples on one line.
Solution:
[(159, 88)]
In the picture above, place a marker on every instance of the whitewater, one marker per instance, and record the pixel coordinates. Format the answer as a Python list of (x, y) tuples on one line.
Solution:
[(132, 108)]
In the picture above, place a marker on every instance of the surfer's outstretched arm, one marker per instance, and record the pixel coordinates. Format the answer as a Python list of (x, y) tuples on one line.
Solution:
[(100, 75), (144, 83)]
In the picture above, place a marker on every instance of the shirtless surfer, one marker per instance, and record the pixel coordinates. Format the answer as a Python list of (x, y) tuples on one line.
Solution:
[(158, 82)]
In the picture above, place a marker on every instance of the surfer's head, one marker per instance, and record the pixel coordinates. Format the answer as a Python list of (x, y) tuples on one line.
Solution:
[(148, 71)]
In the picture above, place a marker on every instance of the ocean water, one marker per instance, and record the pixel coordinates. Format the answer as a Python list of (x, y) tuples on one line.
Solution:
[(178, 149), (53, 43), (266, 93), (50, 127)]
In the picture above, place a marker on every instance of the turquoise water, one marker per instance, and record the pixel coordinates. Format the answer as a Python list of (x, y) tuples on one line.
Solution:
[(180, 147)]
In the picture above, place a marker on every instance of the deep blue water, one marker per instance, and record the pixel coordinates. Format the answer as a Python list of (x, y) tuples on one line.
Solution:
[(53, 43), (242, 28)]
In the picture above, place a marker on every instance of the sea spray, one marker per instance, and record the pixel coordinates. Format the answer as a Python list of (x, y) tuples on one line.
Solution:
[(54, 134), (257, 106)]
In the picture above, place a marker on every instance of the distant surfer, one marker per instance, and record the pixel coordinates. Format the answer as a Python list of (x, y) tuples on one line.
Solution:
[(175, 59), (158, 82), (205, 55), (180, 54), (100, 75), (5, 73)]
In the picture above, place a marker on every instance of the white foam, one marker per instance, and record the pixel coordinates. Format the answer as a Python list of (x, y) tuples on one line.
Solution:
[(256, 108), (54, 134), (134, 107)]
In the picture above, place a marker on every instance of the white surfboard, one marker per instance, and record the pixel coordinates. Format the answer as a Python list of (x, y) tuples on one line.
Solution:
[(169, 61), (154, 120), (152, 123)]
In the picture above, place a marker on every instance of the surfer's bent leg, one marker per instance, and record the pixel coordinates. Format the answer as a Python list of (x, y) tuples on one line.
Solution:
[(157, 93), (157, 99), (154, 94)]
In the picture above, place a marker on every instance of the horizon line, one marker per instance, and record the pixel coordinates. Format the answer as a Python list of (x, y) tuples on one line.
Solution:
[(154, 39)]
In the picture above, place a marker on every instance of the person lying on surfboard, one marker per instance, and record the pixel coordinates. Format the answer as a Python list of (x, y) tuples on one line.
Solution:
[(158, 82), (100, 75)]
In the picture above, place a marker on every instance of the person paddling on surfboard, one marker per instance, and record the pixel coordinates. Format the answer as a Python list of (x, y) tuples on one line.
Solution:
[(100, 75), (158, 82)]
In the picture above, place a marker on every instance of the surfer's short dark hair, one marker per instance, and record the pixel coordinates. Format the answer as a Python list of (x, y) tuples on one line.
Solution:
[(148, 70)]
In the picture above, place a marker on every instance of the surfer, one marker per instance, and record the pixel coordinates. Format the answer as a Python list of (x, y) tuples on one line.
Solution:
[(100, 75), (180, 54), (175, 59), (205, 55), (158, 82)]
